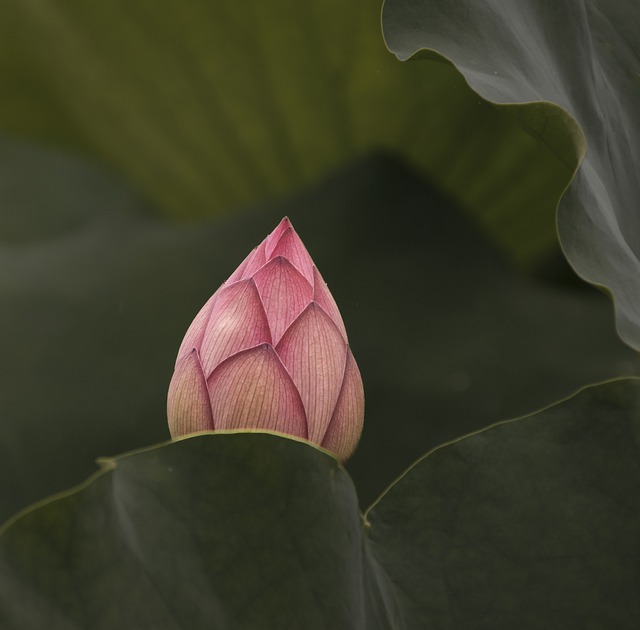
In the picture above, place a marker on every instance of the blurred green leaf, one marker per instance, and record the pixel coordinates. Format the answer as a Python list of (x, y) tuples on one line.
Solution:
[(94, 304), (584, 56), (205, 106), (531, 523)]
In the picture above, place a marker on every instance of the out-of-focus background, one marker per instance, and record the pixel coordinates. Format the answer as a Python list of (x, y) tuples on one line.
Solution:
[(145, 148)]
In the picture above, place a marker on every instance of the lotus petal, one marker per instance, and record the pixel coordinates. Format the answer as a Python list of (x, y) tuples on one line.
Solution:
[(252, 390), (193, 338), (237, 321), (237, 274), (345, 427), (188, 407), (314, 353), (285, 293), (257, 260), (322, 296)]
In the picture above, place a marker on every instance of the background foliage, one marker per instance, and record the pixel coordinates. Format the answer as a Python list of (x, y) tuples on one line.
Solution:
[(205, 107)]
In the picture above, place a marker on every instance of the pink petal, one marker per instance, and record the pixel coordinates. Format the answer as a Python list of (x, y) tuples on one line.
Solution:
[(314, 353), (274, 237), (195, 332), (188, 407), (322, 296), (237, 322), (346, 424), (257, 260), (291, 247), (284, 292), (237, 274), (252, 390)]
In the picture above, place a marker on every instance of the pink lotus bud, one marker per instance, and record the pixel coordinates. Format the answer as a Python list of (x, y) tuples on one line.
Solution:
[(269, 350)]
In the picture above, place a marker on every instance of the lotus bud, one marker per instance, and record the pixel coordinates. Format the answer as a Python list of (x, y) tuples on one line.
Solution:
[(269, 351)]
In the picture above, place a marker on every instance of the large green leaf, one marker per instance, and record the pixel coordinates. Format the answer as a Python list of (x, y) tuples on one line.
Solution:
[(205, 106), (94, 303), (583, 56), (531, 523), (247, 531)]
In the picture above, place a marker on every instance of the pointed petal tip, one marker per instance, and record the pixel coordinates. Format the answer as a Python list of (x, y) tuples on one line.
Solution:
[(290, 246), (274, 236)]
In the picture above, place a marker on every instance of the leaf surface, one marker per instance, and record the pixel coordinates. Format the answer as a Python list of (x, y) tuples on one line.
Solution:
[(583, 56)]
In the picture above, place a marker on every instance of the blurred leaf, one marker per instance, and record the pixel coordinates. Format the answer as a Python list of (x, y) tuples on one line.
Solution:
[(531, 523), (205, 106), (94, 304), (584, 56)]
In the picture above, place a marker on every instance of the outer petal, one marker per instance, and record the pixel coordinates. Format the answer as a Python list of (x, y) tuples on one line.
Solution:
[(314, 353), (322, 296), (285, 293), (237, 321), (188, 407), (237, 274), (291, 247), (272, 240), (257, 260), (195, 332), (252, 390), (346, 424)]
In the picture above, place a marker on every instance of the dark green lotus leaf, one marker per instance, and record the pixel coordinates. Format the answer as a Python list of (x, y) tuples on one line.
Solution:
[(584, 56), (93, 307), (529, 524), (220, 531), (532, 523), (207, 105)]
